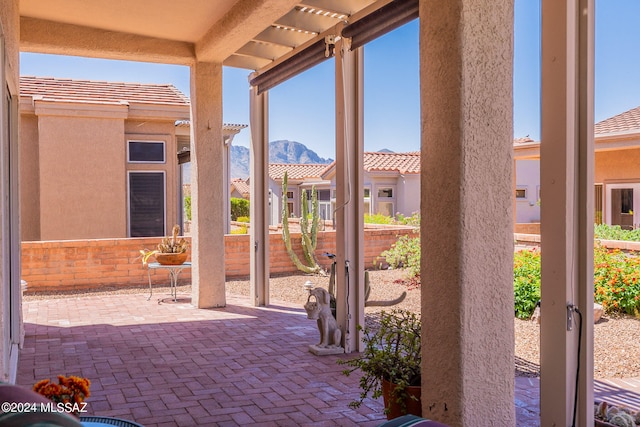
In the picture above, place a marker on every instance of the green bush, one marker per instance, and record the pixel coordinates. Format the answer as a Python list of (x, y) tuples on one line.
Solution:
[(614, 232), (187, 207), (526, 282), (239, 207), (413, 220), (378, 219), (404, 253), (243, 219), (617, 280), (240, 230)]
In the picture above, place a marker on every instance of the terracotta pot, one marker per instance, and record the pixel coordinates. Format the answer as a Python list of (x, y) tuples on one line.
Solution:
[(414, 407), (171, 259)]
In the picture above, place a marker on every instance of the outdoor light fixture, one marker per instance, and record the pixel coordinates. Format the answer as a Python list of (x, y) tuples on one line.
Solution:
[(308, 286)]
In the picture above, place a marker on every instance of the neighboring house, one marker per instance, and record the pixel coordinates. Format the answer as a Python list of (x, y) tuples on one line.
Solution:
[(100, 159), (616, 171), (240, 188), (300, 177), (391, 181)]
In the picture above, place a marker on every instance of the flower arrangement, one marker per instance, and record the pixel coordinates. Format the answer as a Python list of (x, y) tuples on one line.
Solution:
[(68, 390)]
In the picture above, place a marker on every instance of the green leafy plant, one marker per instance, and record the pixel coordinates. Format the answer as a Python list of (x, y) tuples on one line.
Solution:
[(617, 280), (378, 219), (243, 219), (239, 207), (392, 352), (239, 230), (615, 232), (526, 282), (404, 253), (187, 207)]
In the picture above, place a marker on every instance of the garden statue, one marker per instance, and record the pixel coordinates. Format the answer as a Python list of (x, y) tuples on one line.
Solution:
[(330, 333)]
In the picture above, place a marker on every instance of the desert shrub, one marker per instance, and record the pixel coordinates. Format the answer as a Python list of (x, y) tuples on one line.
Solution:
[(239, 230), (239, 207), (413, 220), (614, 232), (526, 282), (378, 219), (243, 219), (187, 207), (617, 280), (404, 253)]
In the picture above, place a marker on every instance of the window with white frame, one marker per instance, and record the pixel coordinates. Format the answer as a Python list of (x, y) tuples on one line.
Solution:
[(146, 152), (367, 200), (386, 201)]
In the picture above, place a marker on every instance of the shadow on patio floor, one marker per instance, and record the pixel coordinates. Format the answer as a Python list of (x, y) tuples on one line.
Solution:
[(163, 363)]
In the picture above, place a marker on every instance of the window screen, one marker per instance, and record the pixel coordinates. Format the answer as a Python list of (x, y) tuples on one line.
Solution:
[(146, 152), (146, 204)]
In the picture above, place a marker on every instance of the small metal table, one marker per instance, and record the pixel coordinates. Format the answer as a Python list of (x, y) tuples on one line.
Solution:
[(174, 272)]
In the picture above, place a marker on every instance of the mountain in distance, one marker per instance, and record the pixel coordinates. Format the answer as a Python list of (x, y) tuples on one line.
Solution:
[(289, 152), (385, 150)]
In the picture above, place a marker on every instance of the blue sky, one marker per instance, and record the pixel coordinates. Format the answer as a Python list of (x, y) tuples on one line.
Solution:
[(302, 109)]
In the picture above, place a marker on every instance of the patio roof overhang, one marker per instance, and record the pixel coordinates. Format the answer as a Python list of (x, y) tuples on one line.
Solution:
[(231, 32)]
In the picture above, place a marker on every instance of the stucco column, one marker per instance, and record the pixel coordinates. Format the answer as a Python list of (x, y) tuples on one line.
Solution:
[(466, 56), (567, 210), (207, 186), (259, 259), (349, 213)]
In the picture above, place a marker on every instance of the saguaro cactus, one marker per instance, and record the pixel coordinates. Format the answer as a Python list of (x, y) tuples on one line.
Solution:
[(309, 234)]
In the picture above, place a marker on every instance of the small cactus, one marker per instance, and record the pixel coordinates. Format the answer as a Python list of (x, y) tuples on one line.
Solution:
[(173, 245), (622, 419)]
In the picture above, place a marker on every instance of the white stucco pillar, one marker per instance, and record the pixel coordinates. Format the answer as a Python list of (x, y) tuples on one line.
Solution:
[(567, 210), (349, 212), (259, 259), (207, 186), (466, 57)]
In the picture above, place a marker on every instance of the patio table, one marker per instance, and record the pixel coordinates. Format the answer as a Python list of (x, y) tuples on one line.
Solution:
[(174, 272)]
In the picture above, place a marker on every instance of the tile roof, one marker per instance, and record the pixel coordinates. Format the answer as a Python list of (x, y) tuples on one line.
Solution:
[(523, 140), (57, 89), (241, 186), (392, 162), (623, 122), (296, 171)]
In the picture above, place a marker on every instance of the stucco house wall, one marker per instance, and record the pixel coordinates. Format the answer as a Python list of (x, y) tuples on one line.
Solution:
[(74, 165), (617, 165), (527, 181)]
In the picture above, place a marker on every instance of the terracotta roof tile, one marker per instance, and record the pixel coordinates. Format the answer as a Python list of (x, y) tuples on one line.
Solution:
[(296, 171), (523, 140), (241, 186), (623, 122), (392, 162), (50, 88)]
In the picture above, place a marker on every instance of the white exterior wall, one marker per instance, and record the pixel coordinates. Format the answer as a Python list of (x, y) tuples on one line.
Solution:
[(408, 190), (528, 178)]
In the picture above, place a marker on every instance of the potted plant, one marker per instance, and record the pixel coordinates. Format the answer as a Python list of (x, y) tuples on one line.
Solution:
[(390, 363), (172, 250)]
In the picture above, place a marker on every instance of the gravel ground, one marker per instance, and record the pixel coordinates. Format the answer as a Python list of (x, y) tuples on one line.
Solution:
[(616, 343)]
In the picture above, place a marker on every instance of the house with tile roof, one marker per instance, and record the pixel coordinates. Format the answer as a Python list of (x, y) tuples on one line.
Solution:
[(391, 181), (616, 172), (240, 188), (100, 159)]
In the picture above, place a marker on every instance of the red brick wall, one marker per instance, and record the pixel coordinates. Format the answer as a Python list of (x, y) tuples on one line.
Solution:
[(81, 264)]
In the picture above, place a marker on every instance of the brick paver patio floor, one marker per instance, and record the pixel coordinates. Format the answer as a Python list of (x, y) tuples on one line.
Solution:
[(169, 364)]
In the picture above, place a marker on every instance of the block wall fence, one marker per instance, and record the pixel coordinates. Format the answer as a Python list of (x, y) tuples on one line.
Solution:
[(114, 263)]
